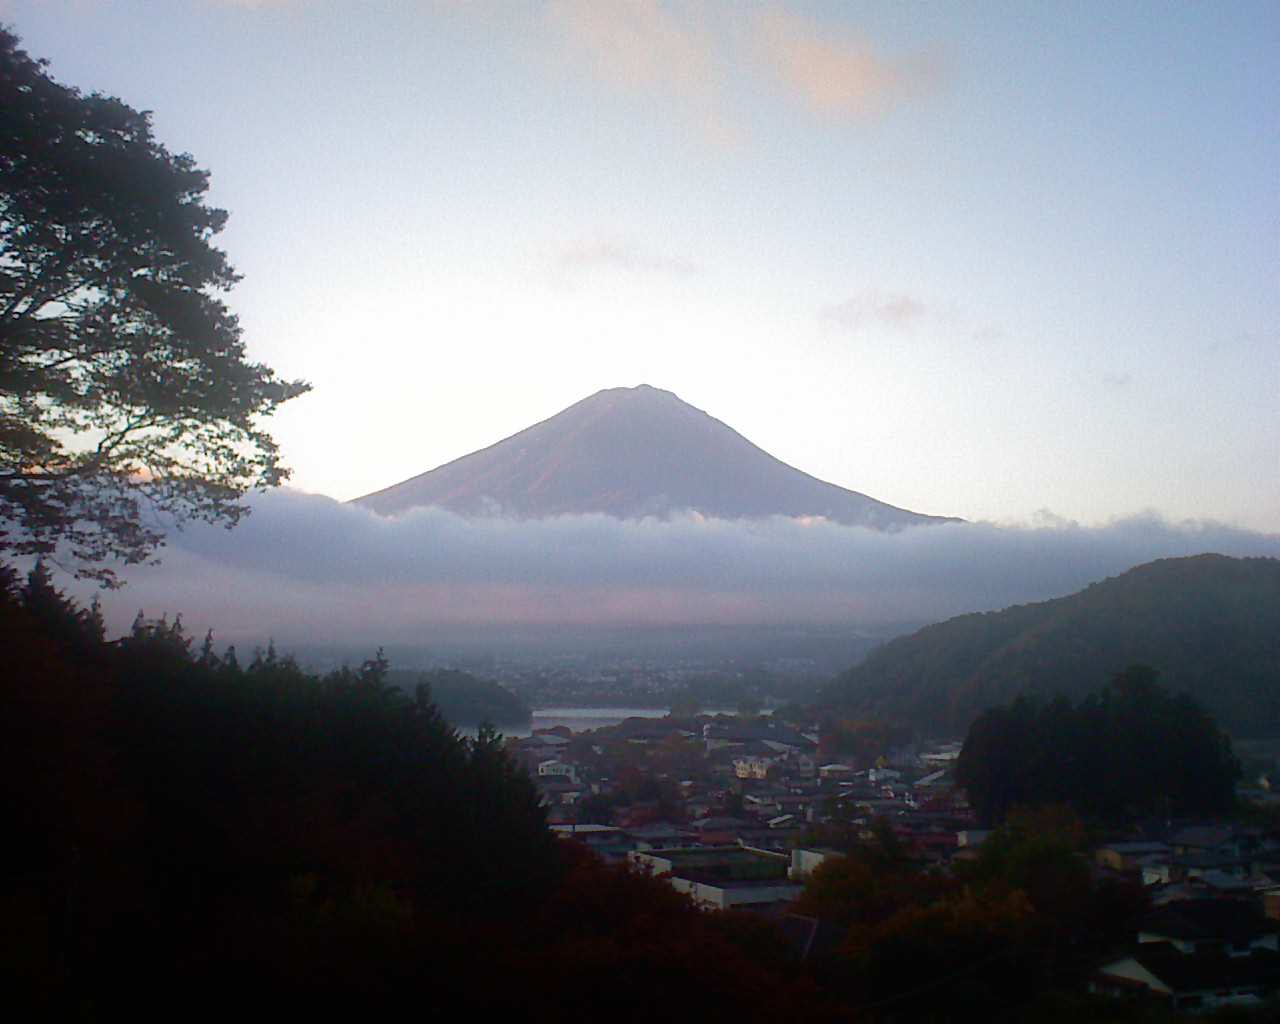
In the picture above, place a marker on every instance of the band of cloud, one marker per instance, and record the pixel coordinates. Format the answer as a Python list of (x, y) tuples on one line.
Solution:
[(298, 554)]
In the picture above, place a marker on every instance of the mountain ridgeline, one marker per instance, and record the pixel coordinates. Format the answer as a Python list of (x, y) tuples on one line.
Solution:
[(631, 453), (1210, 625)]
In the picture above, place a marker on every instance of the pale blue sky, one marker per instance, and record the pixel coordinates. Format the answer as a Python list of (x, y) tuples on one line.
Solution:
[(971, 259)]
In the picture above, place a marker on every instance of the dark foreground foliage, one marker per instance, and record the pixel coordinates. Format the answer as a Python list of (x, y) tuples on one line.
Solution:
[(206, 838), (198, 837), (1021, 922), (1134, 749)]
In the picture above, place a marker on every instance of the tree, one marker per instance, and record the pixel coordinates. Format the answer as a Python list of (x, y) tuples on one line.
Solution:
[(686, 706), (749, 708), (126, 399), (1132, 749)]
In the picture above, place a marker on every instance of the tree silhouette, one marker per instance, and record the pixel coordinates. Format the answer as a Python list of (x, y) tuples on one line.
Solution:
[(1133, 748), (125, 394)]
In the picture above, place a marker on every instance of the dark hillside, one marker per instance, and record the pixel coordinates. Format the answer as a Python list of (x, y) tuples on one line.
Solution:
[(465, 700), (1209, 624)]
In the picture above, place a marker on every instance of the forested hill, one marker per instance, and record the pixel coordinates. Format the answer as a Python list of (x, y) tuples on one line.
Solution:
[(1209, 624), (465, 700)]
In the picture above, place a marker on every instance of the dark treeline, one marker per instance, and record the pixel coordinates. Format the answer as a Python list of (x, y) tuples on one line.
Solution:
[(464, 699), (201, 833), (198, 831), (1131, 750)]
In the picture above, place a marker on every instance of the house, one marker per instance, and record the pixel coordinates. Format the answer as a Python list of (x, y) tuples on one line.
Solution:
[(608, 841), (1199, 954), (805, 861), (1130, 857), (1191, 982), (753, 766), (773, 838), (761, 805), (780, 739), (657, 835), (556, 790), (723, 878), (1211, 926), (554, 766), (944, 756), (1199, 840), (940, 779)]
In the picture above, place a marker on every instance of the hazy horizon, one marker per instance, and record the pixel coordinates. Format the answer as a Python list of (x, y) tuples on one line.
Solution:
[(306, 568)]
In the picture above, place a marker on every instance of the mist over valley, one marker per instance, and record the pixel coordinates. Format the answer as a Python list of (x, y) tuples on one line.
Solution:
[(631, 529)]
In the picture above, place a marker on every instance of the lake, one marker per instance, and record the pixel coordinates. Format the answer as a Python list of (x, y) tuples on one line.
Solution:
[(582, 719)]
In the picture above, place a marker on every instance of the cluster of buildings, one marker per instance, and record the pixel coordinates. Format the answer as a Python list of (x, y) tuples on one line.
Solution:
[(1212, 935), (724, 808), (734, 813)]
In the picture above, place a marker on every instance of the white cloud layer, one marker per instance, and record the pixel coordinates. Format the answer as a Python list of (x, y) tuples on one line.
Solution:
[(309, 568)]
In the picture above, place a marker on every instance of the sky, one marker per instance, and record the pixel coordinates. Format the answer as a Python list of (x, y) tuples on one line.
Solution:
[(1017, 263)]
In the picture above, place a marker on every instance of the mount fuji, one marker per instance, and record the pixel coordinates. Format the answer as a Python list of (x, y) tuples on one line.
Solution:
[(631, 453)]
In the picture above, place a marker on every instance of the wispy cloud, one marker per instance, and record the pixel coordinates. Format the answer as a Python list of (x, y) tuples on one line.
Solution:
[(837, 74), (639, 43), (1117, 382), (899, 312), (693, 52), (619, 254), (650, 47), (695, 56)]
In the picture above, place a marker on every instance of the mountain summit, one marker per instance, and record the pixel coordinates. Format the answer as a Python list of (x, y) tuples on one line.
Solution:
[(629, 453)]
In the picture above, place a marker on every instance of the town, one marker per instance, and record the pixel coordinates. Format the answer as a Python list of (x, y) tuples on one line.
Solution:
[(739, 813)]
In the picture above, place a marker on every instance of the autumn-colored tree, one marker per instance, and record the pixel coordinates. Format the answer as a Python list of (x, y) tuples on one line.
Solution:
[(854, 890), (954, 959)]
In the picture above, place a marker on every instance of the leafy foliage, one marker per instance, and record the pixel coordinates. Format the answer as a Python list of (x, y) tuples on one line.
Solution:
[(863, 740), (125, 394), (1209, 624), (1021, 922), (1132, 749), (870, 883)]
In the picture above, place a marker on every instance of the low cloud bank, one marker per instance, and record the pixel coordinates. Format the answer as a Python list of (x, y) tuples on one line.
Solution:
[(310, 568)]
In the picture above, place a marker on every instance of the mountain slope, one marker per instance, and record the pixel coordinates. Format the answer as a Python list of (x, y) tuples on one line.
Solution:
[(629, 453), (1210, 625)]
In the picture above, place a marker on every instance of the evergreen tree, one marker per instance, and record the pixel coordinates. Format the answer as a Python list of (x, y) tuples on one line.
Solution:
[(1132, 749)]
